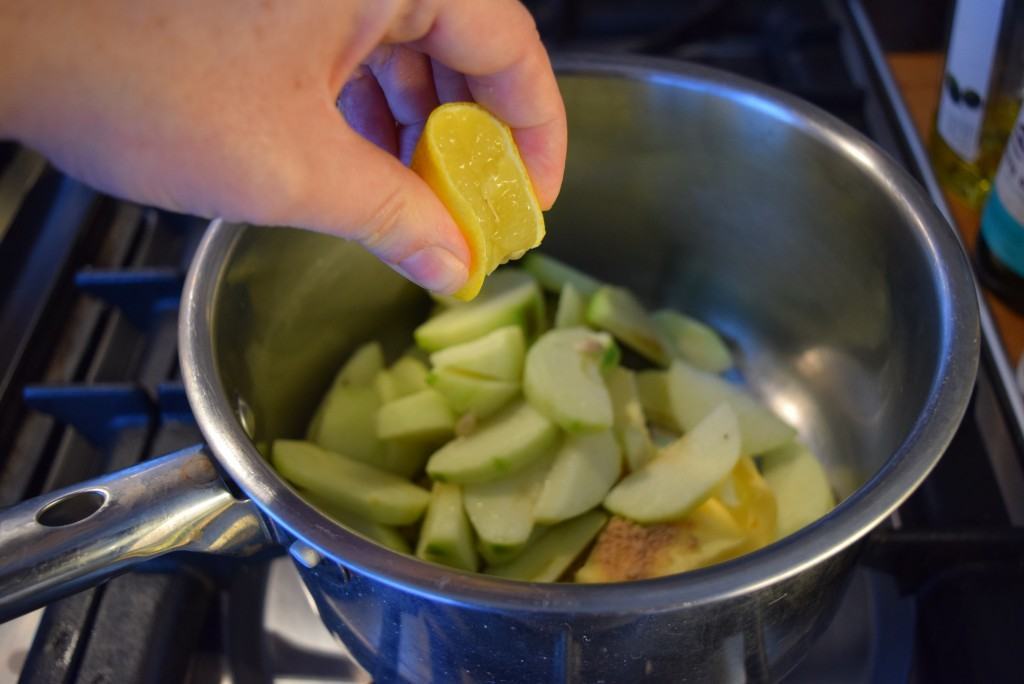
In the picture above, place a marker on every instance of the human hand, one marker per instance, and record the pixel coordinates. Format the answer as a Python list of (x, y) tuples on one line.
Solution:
[(231, 108)]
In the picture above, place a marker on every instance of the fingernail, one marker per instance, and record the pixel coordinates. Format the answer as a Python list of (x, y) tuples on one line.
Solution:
[(436, 269)]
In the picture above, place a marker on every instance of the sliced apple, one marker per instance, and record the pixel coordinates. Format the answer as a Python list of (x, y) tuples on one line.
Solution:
[(683, 475), (359, 370), (382, 534), (626, 550), (445, 301), (693, 341), (468, 394), (509, 297), (501, 510), (410, 374), (499, 554), (563, 378), (422, 417), (497, 355), (507, 442), (652, 389), (346, 423), (386, 386), (662, 437), (418, 353), (362, 366), (553, 275), (547, 558), (584, 470), (629, 422), (404, 458), (572, 308), (446, 537), (800, 484), (354, 486), (406, 376), (616, 310), (681, 397), (496, 554)]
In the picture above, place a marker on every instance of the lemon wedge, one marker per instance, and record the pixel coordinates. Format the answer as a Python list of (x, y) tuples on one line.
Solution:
[(470, 160)]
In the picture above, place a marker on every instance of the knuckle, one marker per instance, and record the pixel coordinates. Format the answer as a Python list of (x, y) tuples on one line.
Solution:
[(529, 23), (379, 232), (381, 59), (413, 20)]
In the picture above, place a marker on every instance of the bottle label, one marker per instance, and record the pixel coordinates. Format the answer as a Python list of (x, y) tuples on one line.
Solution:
[(969, 66), (1009, 183), (1002, 223)]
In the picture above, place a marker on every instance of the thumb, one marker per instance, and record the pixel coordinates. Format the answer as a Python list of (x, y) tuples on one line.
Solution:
[(353, 189)]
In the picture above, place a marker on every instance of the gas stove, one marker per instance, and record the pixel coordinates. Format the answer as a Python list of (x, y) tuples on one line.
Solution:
[(89, 383)]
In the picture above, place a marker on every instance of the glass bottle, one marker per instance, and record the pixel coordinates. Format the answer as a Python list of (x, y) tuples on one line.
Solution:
[(981, 95), (1000, 249)]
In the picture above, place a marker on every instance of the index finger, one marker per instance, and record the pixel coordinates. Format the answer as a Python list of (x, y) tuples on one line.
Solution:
[(496, 45)]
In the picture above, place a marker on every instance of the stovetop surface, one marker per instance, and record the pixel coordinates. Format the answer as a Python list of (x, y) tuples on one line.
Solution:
[(89, 384)]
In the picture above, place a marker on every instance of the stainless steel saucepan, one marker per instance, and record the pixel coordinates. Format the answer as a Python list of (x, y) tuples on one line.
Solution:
[(847, 293)]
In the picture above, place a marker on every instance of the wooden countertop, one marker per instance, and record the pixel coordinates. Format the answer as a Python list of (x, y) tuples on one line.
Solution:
[(919, 76)]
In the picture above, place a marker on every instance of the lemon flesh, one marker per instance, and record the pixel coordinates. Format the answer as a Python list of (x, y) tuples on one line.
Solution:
[(470, 160)]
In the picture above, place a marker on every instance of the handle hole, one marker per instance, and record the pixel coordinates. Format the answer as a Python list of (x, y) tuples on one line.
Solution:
[(71, 508)]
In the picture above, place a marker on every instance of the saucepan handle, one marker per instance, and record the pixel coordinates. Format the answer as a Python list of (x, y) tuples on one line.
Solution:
[(67, 540)]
